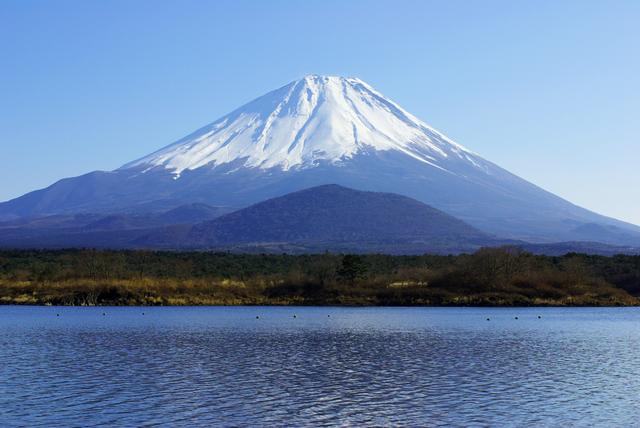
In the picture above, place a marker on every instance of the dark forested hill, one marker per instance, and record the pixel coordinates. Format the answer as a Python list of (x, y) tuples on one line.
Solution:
[(331, 217), (318, 219)]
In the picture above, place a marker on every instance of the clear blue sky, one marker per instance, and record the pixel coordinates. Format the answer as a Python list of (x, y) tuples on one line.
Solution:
[(547, 89)]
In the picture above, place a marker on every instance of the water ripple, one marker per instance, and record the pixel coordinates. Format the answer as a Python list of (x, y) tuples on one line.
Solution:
[(363, 367)]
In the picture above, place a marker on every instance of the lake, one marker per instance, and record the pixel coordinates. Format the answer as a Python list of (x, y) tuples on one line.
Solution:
[(261, 366)]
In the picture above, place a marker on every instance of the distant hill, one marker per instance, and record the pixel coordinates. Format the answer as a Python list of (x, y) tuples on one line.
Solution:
[(192, 213), (329, 217), (99, 231), (323, 218)]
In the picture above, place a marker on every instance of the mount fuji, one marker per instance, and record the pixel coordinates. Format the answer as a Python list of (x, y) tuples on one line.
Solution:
[(326, 130)]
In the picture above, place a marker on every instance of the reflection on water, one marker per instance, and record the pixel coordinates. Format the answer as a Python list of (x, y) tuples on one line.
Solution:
[(327, 366)]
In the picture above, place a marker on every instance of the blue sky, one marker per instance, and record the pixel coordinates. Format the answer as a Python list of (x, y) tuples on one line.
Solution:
[(549, 90)]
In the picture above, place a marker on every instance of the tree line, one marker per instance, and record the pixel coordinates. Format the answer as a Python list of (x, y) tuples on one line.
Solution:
[(491, 276)]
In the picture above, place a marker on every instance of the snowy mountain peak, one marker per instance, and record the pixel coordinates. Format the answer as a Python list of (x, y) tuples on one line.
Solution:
[(312, 120)]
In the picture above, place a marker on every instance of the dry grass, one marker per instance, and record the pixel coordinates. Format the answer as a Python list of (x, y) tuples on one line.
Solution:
[(487, 278)]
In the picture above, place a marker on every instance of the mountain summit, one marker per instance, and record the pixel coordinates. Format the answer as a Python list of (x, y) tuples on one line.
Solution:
[(320, 130), (308, 121)]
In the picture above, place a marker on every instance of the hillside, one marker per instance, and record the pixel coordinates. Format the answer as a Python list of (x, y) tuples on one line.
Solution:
[(331, 217)]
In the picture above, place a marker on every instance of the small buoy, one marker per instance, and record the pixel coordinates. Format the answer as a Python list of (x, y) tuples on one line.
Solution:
[(539, 317), (257, 317), (488, 319), (328, 316), (57, 315), (295, 316), (103, 314), (143, 313), (516, 318)]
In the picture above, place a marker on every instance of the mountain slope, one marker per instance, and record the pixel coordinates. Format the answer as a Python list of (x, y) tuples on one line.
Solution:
[(99, 231), (330, 217), (315, 131), (324, 218), (306, 122)]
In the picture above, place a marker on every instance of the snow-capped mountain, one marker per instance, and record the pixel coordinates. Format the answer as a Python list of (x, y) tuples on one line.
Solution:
[(314, 119), (326, 130)]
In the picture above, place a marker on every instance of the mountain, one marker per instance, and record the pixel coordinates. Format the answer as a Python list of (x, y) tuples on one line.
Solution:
[(192, 213), (320, 130), (329, 217), (184, 214), (98, 230), (323, 218)]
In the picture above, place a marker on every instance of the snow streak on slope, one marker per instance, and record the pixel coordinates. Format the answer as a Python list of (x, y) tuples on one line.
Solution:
[(317, 118)]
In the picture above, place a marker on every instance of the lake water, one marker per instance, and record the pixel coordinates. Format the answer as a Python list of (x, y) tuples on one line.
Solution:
[(222, 366)]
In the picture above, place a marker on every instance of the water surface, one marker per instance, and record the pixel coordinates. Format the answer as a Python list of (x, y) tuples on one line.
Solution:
[(222, 366)]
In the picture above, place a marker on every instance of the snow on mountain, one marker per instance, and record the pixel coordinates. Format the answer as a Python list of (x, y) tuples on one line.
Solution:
[(326, 130), (316, 118)]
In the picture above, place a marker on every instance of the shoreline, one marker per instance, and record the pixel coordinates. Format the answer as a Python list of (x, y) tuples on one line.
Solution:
[(503, 277), (316, 305)]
